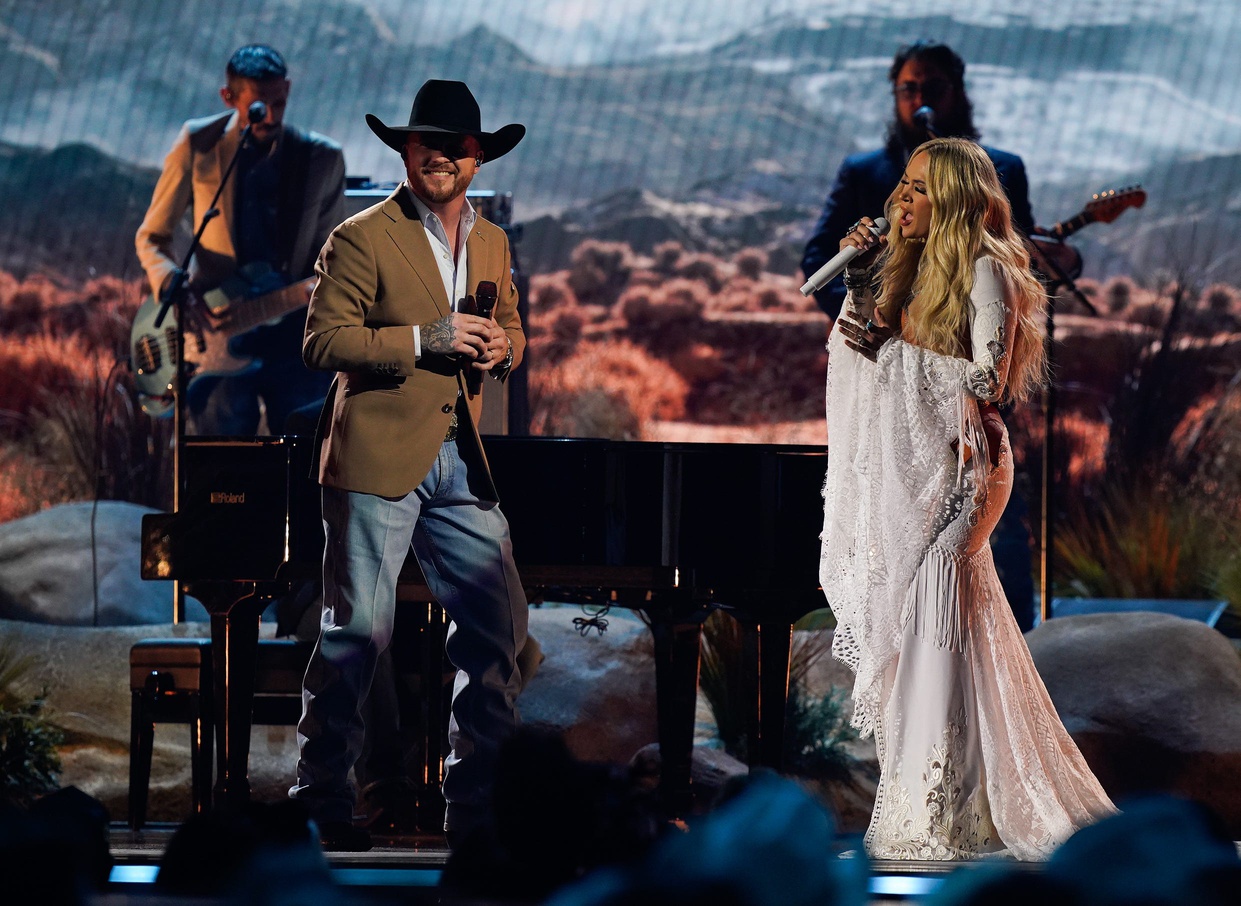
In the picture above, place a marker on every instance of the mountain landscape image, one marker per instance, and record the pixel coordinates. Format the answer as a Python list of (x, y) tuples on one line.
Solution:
[(675, 161)]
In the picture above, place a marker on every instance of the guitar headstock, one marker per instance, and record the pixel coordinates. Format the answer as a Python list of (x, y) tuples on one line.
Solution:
[(1106, 206)]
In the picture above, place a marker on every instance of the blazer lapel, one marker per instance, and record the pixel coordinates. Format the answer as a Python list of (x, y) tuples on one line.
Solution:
[(476, 250), (410, 238), (224, 150)]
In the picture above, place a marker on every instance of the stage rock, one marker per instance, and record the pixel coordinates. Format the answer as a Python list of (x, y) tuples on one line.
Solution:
[(1154, 702), (56, 567), (597, 690)]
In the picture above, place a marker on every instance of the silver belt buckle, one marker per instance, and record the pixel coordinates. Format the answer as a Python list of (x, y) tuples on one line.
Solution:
[(452, 428)]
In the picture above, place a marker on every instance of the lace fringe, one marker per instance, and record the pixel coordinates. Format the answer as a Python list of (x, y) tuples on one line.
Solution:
[(933, 604)]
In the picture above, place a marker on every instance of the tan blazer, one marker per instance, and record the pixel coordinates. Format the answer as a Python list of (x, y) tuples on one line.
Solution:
[(386, 414), (191, 175)]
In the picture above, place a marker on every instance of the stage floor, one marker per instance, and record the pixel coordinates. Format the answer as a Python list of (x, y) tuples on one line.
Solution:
[(407, 869)]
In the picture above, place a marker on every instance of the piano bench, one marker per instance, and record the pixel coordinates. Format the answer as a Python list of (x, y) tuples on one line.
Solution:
[(171, 681)]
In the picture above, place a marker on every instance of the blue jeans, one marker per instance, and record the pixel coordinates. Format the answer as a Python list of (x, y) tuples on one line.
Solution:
[(463, 546)]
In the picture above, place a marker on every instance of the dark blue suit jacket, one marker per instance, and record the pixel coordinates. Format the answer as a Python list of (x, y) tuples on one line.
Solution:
[(864, 183)]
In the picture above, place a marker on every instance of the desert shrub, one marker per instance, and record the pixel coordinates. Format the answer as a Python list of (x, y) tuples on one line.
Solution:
[(1220, 298), (698, 363), (751, 263), (664, 317), (666, 256), (1150, 312), (738, 296), (635, 304), (22, 310), (29, 763), (1218, 311), (766, 293), (549, 292), (605, 389), (598, 271), (817, 731), (816, 727), (768, 299), (705, 268), (1117, 295), (557, 335)]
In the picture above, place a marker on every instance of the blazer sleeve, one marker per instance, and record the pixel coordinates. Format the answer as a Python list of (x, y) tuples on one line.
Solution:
[(339, 335), (507, 315), (171, 199)]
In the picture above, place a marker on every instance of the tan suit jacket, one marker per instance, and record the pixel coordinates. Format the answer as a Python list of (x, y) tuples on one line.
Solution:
[(387, 413), (191, 175)]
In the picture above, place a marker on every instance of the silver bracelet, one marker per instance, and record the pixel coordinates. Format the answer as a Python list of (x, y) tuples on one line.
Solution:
[(858, 279), (502, 369)]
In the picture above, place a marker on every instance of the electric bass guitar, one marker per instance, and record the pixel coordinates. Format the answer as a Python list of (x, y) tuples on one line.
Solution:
[(218, 319), (1056, 261)]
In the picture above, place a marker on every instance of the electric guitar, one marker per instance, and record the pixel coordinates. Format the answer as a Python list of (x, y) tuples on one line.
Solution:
[(1053, 259), (217, 320)]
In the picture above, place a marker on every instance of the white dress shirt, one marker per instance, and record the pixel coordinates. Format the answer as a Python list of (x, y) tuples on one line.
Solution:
[(452, 268)]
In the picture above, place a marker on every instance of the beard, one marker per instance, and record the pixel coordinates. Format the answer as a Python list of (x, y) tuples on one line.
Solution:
[(957, 122), (429, 187)]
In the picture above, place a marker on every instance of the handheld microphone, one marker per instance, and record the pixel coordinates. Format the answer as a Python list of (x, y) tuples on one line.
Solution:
[(257, 112), (828, 272), (924, 116), (485, 299)]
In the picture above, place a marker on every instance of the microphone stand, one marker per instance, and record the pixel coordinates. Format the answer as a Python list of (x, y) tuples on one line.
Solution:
[(173, 298), (1047, 504)]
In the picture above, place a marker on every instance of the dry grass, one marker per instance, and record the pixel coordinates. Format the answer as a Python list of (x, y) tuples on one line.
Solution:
[(1143, 542), (69, 429)]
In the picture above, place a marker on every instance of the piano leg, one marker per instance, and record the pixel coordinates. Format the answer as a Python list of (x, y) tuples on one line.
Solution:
[(677, 650), (436, 696), (767, 649), (235, 613)]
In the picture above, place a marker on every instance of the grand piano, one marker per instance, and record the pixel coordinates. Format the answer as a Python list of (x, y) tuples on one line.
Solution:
[(673, 530)]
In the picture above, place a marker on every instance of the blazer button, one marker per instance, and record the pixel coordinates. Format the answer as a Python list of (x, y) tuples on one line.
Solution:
[(447, 407)]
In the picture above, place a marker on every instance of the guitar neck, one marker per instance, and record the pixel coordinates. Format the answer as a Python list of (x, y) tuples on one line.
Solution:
[(1067, 228), (268, 307)]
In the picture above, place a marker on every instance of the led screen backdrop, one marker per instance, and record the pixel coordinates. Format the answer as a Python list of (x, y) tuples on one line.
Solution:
[(676, 157)]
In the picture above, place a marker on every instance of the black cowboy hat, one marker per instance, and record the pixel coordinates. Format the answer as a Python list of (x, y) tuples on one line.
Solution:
[(448, 107)]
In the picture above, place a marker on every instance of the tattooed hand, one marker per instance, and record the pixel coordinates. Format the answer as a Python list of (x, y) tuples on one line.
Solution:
[(457, 334)]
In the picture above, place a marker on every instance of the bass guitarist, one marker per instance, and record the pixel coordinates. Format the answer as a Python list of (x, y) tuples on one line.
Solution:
[(287, 194)]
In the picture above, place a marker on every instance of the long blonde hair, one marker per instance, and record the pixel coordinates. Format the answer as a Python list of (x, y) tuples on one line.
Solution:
[(970, 218)]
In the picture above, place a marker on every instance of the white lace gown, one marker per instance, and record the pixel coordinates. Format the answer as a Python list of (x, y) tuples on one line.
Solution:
[(973, 757)]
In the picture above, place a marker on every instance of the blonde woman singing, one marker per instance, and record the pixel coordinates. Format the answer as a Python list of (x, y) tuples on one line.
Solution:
[(973, 756)]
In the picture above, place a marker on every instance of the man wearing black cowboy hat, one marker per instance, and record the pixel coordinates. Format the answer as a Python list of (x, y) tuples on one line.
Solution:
[(400, 459)]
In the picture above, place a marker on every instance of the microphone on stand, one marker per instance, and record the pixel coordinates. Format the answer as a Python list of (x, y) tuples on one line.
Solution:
[(255, 113), (828, 272), (485, 299), (924, 116)]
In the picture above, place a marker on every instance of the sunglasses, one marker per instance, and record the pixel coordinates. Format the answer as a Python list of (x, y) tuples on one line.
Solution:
[(455, 147), (930, 90)]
